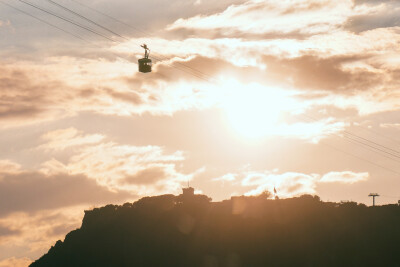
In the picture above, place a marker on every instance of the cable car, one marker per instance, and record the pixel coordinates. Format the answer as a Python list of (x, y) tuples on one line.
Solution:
[(145, 63)]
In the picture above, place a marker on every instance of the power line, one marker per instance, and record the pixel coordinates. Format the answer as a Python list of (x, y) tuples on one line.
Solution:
[(48, 23), (379, 148), (65, 31), (110, 39), (93, 31), (67, 20), (83, 17), (379, 134), (358, 157), (347, 132), (74, 23), (144, 32), (355, 141), (112, 18), (365, 139)]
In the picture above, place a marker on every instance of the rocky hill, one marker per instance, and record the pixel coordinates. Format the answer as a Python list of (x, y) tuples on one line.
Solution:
[(190, 230)]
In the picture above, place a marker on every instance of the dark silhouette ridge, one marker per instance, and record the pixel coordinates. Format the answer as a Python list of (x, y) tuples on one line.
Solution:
[(190, 230)]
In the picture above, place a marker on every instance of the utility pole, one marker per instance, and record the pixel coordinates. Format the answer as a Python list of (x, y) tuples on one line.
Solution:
[(373, 195)]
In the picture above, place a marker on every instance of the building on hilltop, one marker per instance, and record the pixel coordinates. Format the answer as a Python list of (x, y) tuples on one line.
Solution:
[(188, 196), (188, 191)]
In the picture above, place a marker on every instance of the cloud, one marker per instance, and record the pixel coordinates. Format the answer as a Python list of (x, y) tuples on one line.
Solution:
[(31, 93), (53, 89), (38, 231), (311, 72), (4, 231), (390, 125), (15, 262), (287, 184), (66, 138), (230, 177), (8, 166), (146, 176), (371, 14), (33, 191), (271, 16), (141, 169), (290, 184), (346, 177)]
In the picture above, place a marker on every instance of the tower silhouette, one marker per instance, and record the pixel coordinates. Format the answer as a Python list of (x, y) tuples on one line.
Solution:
[(373, 195)]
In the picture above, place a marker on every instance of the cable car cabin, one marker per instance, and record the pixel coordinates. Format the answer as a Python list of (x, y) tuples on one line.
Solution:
[(144, 65)]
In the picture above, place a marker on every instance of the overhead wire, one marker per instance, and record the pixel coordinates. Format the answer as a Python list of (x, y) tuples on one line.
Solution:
[(372, 142), (83, 17), (110, 17), (358, 157), (67, 20), (48, 23), (145, 33), (99, 34), (93, 31), (386, 153), (65, 31), (379, 134), (376, 146)]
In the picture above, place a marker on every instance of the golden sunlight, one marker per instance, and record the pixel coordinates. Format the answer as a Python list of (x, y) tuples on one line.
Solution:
[(254, 110)]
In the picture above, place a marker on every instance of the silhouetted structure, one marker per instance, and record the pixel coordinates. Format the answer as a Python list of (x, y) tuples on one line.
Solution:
[(145, 63), (243, 231), (189, 197), (188, 191), (373, 195)]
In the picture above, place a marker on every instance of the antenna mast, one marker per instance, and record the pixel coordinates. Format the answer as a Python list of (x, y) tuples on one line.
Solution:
[(373, 195)]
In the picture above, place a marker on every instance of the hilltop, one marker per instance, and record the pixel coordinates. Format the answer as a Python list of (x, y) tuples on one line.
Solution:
[(190, 230)]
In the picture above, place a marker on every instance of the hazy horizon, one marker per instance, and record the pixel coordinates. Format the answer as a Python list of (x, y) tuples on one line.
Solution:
[(245, 96)]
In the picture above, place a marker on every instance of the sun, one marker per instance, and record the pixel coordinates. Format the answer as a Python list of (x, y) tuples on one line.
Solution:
[(253, 111)]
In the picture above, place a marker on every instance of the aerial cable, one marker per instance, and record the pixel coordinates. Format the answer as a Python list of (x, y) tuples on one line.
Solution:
[(83, 17), (97, 33), (88, 29), (360, 158), (48, 23), (93, 31), (128, 25), (365, 139), (70, 21), (354, 141), (145, 33), (380, 147), (362, 144), (67, 20), (379, 134), (389, 156), (110, 17), (65, 31)]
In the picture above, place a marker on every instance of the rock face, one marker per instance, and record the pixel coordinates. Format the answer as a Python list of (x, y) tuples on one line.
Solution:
[(171, 230)]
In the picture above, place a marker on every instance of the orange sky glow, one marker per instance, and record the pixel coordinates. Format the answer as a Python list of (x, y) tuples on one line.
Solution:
[(245, 96)]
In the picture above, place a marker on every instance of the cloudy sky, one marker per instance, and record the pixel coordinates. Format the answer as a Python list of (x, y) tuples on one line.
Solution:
[(245, 96)]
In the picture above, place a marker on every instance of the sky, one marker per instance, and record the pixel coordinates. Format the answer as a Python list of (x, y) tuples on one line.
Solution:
[(245, 96)]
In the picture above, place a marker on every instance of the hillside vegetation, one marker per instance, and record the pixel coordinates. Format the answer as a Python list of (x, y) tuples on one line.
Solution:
[(183, 230)]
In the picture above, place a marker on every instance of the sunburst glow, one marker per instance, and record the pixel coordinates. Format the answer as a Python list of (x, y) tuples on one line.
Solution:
[(254, 110)]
